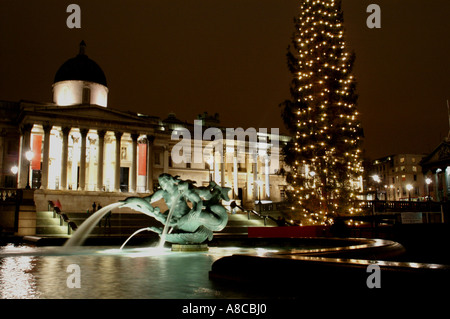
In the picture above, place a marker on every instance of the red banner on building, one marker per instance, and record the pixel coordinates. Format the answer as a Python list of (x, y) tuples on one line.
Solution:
[(142, 164), (36, 148)]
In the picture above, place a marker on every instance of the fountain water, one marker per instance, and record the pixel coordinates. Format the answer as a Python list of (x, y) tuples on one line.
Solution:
[(194, 224), (135, 233), (88, 225), (80, 235)]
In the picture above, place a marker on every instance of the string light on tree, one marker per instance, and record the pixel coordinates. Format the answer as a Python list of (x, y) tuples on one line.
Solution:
[(322, 115)]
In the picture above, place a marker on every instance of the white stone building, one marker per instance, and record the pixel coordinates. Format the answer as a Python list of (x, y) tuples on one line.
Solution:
[(83, 150)]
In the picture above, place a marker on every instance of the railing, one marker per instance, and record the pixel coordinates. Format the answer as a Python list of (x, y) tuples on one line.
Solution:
[(273, 206), (9, 195), (63, 218), (265, 217), (374, 209), (401, 206), (12, 197)]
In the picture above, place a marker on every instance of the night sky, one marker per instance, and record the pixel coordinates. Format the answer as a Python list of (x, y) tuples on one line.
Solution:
[(228, 57)]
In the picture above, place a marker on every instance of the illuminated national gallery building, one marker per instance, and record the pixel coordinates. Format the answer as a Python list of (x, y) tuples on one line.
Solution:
[(77, 145)]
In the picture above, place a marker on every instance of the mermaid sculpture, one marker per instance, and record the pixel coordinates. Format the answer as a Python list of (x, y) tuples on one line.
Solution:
[(197, 211)]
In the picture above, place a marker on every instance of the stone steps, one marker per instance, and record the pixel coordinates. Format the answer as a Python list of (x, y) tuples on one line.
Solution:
[(124, 224), (47, 225)]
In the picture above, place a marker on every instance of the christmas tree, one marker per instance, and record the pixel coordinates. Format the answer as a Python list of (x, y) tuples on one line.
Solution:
[(324, 154)]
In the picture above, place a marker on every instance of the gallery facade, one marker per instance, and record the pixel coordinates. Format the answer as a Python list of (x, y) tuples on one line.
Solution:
[(78, 145), (436, 168)]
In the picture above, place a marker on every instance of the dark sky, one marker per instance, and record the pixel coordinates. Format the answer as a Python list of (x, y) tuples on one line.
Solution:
[(228, 56)]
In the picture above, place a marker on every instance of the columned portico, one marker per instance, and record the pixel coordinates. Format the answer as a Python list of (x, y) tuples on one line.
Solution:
[(118, 136), (64, 156), (25, 138), (101, 145), (134, 138), (46, 156), (436, 166), (149, 176), (82, 182)]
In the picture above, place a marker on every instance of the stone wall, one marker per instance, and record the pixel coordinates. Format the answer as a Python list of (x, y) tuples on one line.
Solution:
[(79, 201)]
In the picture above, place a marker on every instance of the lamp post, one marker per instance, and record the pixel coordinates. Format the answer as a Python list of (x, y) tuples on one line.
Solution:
[(14, 170), (29, 155), (409, 187), (428, 181), (376, 179), (259, 183)]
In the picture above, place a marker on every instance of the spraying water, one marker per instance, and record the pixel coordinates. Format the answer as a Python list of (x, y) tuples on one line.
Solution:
[(135, 233), (80, 235)]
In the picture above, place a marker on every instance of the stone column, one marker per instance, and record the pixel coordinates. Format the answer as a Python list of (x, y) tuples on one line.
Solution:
[(436, 187), (46, 155), (134, 138), (166, 160), (64, 157), (82, 183), (267, 175), (90, 180), (74, 181), (235, 177), (255, 178), (25, 131), (248, 170), (117, 170), (444, 182), (101, 143), (149, 170)]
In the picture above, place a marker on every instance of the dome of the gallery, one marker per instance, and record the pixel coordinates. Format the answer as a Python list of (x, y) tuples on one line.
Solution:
[(81, 68)]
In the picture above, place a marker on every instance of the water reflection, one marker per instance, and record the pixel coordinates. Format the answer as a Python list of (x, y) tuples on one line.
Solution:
[(17, 279), (34, 272)]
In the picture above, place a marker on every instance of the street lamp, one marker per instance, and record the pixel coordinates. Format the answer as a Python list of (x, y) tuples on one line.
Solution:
[(14, 169), (377, 180), (259, 183), (409, 187), (428, 181), (29, 155)]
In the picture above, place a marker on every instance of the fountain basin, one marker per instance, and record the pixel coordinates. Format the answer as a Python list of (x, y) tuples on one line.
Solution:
[(231, 268), (336, 264), (189, 247)]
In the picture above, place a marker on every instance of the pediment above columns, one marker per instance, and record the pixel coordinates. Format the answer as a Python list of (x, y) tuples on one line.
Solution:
[(88, 117)]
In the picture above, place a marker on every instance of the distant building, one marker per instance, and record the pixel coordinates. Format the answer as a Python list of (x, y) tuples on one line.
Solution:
[(398, 177), (436, 168)]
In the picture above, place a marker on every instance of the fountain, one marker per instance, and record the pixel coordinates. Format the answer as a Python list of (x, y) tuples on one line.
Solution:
[(195, 212), (80, 235), (192, 214)]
